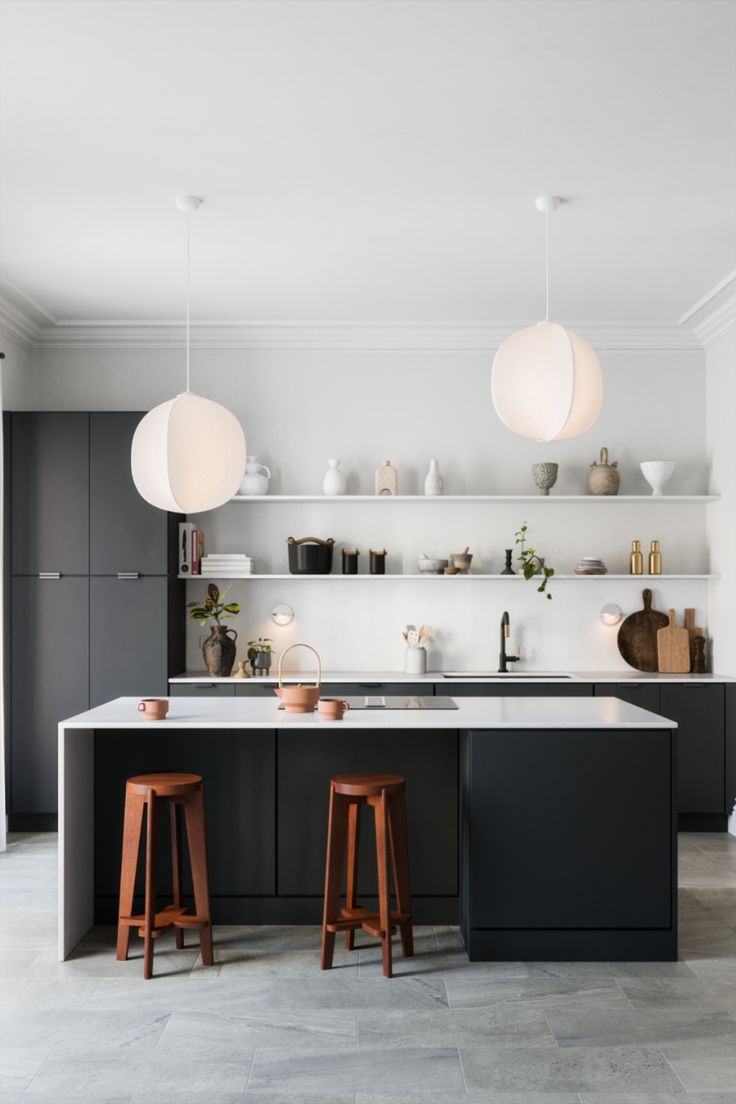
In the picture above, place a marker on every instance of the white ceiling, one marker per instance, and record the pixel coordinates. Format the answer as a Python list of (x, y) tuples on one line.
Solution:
[(367, 160)]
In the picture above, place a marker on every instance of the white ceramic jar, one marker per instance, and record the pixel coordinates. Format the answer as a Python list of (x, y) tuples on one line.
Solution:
[(257, 475), (434, 484), (415, 662), (335, 481)]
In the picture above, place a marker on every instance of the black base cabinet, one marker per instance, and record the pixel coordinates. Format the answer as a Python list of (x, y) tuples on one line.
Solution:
[(535, 885), (700, 712)]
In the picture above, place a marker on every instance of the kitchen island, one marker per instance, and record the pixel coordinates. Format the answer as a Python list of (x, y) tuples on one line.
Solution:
[(546, 826)]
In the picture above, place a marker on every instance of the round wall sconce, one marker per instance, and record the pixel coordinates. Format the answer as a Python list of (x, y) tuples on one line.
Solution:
[(611, 614), (283, 614)]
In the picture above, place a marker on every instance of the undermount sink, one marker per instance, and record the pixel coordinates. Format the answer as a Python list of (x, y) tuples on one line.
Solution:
[(467, 675)]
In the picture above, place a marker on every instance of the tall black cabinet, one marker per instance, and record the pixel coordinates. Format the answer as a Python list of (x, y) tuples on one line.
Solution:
[(96, 610)]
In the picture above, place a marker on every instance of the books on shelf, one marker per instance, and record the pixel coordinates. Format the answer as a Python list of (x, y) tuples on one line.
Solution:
[(224, 565), (191, 548)]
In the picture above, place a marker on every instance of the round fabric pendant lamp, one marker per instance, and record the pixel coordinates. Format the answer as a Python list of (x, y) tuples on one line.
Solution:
[(188, 454), (546, 381)]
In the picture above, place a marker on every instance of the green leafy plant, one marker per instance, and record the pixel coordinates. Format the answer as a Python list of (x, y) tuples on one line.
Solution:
[(532, 564), (213, 608), (262, 644)]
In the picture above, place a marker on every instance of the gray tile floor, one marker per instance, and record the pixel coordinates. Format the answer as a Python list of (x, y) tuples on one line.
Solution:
[(265, 1025)]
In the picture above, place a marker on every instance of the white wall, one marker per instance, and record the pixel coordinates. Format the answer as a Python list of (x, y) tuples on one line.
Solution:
[(721, 452), (300, 407)]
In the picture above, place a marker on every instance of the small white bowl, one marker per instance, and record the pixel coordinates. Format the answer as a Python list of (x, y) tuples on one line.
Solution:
[(657, 473)]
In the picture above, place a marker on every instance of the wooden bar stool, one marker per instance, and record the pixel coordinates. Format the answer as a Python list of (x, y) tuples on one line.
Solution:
[(149, 792), (386, 793)]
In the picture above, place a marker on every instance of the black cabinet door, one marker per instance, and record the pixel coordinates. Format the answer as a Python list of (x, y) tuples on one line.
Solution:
[(239, 791), (126, 533), (511, 689), (49, 493), (643, 694), (49, 680), (589, 843), (202, 689), (428, 761), (127, 630), (254, 688), (699, 710)]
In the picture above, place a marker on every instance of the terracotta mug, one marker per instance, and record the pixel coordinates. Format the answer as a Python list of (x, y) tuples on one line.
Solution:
[(332, 709), (153, 709)]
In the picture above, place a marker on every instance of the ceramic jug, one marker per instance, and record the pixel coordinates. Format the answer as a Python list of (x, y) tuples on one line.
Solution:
[(257, 475), (603, 478), (434, 484), (335, 481)]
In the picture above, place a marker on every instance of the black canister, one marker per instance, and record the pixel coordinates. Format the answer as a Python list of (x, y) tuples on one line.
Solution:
[(378, 562), (350, 561)]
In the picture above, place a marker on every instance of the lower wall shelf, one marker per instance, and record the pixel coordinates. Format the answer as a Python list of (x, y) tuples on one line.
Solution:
[(450, 579)]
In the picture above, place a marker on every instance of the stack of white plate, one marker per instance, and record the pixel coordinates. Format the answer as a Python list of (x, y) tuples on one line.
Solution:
[(590, 565)]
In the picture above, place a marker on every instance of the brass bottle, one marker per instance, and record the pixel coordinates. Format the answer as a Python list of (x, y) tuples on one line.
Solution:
[(636, 559), (655, 559)]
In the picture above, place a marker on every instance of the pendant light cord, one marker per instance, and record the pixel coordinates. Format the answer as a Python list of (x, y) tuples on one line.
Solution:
[(189, 218), (546, 226)]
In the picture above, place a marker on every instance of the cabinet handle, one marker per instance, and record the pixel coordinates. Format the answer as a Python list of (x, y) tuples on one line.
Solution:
[(49, 574), (369, 685), (129, 574), (203, 685)]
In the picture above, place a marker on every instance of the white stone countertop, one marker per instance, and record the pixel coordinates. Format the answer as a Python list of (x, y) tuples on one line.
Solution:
[(471, 713), (469, 676)]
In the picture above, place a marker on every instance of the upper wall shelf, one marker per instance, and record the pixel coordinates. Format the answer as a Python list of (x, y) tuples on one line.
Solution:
[(640, 579), (655, 500)]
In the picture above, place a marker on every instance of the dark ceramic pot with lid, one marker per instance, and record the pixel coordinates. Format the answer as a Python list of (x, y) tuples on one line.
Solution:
[(310, 555)]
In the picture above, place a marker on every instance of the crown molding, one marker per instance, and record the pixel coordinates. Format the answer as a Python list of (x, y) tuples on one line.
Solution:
[(715, 314), (18, 325), (386, 336)]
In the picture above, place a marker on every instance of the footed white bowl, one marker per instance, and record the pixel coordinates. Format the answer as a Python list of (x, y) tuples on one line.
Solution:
[(657, 473)]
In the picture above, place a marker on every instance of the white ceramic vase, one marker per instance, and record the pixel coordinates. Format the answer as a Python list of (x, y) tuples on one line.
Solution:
[(335, 481), (416, 661), (257, 475), (434, 484), (657, 473)]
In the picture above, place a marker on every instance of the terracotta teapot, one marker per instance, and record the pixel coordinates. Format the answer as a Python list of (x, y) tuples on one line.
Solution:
[(299, 698)]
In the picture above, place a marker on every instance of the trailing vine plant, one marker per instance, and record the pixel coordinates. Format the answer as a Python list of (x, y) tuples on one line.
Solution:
[(532, 564)]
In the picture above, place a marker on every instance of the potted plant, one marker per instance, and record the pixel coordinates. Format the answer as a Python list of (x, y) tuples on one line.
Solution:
[(532, 564), (218, 648), (260, 654)]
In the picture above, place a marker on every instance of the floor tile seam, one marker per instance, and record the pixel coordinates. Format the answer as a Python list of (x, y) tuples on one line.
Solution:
[(549, 1027), (674, 1071), (250, 1070), (462, 1069)]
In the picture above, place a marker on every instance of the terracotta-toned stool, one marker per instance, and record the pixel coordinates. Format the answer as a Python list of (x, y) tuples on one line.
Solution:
[(386, 793), (150, 791)]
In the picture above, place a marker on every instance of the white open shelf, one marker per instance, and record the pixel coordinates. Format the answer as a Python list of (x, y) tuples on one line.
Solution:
[(447, 579), (655, 500)]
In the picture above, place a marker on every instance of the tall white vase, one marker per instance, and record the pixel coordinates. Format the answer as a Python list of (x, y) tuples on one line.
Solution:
[(335, 481), (434, 484)]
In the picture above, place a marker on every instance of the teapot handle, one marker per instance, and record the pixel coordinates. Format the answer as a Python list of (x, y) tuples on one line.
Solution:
[(319, 661)]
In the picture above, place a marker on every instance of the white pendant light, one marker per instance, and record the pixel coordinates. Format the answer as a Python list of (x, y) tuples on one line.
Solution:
[(188, 454), (546, 381)]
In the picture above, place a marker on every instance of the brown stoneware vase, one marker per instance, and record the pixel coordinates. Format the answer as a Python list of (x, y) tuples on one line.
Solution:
[(219, 651)]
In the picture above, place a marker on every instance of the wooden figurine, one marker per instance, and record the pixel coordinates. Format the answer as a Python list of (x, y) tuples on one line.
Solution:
[(699, 664)]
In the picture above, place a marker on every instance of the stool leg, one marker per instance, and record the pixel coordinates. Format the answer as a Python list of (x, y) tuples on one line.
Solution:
[(132, 827), (336, 832), (380, 806), (400, 857), (197, 840), (176, 864), (151, 863), (351, 891)]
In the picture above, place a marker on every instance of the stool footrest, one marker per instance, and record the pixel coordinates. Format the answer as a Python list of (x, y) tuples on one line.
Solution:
[(367, 919), (173, 915)]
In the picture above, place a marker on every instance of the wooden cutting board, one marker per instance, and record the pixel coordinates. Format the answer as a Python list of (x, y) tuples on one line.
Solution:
[(673, 648), (637, 637)]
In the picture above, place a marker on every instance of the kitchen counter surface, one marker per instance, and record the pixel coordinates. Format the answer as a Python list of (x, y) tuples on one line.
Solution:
[(471, 714), (438, 677)]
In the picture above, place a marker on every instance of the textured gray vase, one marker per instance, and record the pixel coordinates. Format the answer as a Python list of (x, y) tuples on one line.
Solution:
[(545, 476)]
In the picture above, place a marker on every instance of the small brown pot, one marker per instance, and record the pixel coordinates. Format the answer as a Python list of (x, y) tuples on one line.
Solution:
[(219, 651)]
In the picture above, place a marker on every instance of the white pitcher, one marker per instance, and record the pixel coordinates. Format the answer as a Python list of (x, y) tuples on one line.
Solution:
[(335, 481), (257, 475)]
